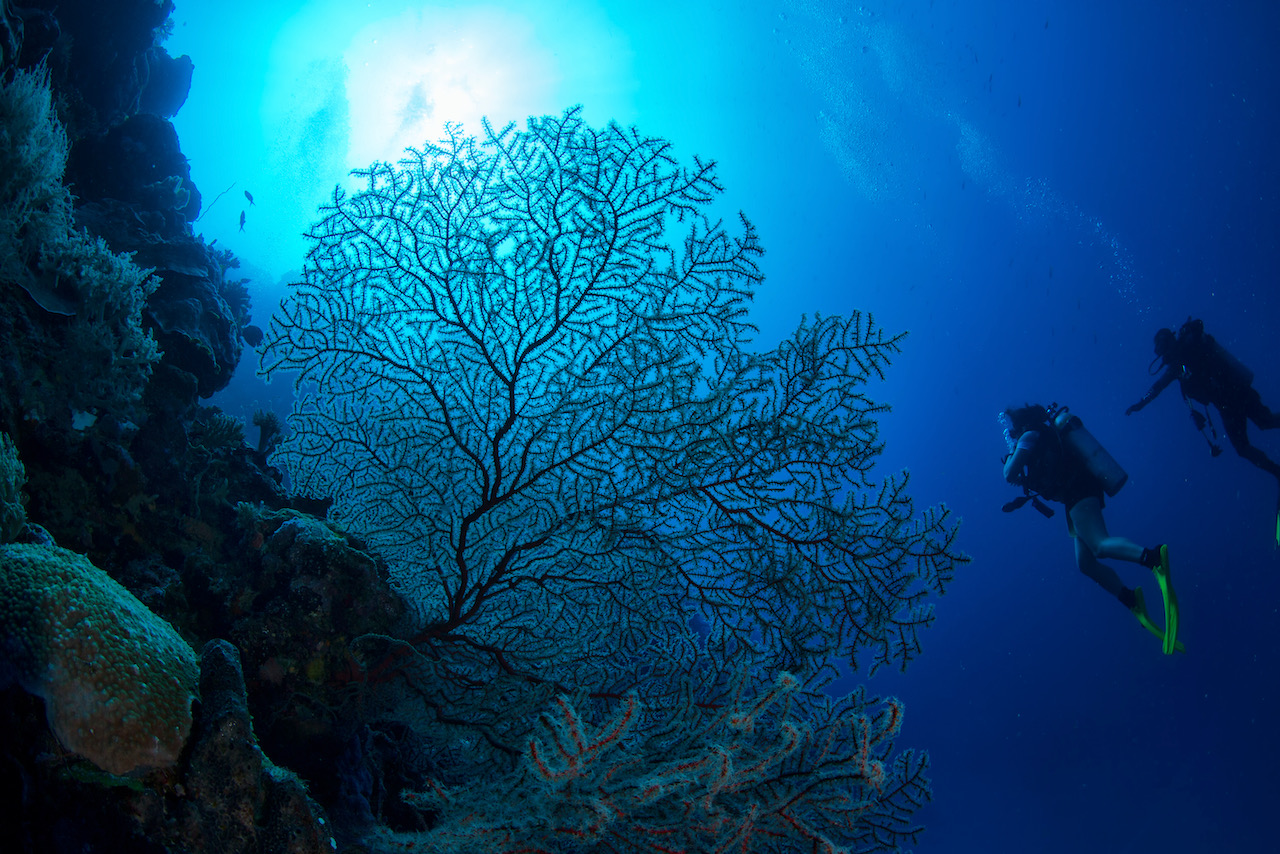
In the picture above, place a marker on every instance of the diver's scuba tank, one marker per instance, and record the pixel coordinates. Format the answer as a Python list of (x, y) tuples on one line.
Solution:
[(1100, 464), (1218, 362), (1233, 372)]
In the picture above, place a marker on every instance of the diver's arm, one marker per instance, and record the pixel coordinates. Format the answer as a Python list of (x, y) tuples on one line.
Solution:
[(1015, 465), (1152, 393)]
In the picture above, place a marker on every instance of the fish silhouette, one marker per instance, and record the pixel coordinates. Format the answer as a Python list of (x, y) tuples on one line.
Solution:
[(252, 335), (248, 196), (242, 220)]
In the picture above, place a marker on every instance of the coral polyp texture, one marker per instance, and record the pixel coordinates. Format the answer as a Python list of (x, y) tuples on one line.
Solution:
[(97, 357), (12, 476), (117, 680)]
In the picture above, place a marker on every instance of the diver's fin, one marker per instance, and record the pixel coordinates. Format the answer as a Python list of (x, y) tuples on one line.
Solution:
[(1139, 610), (1161, 570), (1278, 521)]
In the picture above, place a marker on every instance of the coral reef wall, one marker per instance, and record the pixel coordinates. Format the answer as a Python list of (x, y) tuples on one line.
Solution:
[(136, 524), (624, 644)]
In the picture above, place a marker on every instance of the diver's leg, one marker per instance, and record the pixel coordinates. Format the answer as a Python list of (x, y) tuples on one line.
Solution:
[(1086, 515), (1258, 412), (1104, 575), (1235, 425)]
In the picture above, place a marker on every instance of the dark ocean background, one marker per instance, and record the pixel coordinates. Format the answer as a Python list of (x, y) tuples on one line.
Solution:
[(1031, 189)]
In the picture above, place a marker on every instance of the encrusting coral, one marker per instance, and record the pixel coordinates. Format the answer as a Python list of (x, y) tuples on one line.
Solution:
[(12, 476), (117, 680), (33, 153), (102, 357)]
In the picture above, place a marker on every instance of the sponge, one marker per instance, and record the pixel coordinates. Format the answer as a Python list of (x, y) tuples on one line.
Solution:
[(117, 680)]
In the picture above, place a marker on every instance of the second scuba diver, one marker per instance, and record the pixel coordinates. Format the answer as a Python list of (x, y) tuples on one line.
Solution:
[(1052, 456), (1209, 374)]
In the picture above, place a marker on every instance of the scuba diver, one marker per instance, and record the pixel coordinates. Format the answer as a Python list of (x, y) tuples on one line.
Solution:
[(1053, 457), (1208, 374)]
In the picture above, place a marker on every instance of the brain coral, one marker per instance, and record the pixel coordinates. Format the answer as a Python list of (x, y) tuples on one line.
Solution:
[(117, 680)]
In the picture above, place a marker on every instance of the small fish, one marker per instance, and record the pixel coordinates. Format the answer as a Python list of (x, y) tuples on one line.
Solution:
[(252, 335), (242, 220), (248, 196)]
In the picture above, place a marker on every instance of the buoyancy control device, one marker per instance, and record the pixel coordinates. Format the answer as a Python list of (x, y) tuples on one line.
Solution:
[(1224, 368), (1234, 371)]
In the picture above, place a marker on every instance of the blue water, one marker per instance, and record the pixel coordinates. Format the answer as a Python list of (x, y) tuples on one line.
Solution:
[(1030, 188)]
